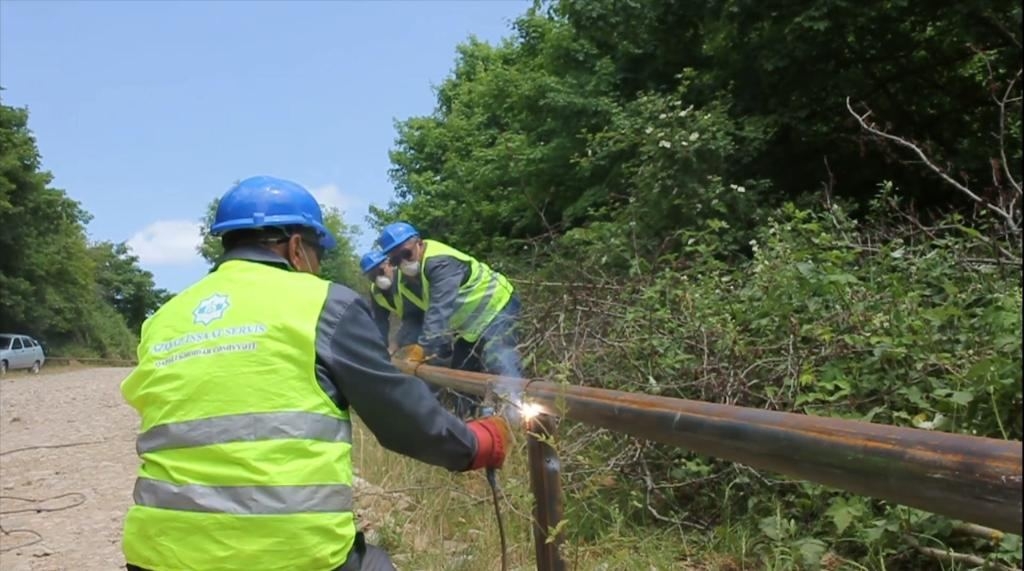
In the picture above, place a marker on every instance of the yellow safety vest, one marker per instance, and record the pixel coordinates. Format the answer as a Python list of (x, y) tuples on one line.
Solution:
[(382, 300), (246, 462), (479, 300)]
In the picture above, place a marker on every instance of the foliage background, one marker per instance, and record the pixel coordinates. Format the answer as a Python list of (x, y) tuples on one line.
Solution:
[(690, 208), (809, 207)]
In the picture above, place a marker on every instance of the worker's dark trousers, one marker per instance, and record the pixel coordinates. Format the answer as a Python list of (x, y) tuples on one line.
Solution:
[(363, 558), (495, 352), (464, 358)]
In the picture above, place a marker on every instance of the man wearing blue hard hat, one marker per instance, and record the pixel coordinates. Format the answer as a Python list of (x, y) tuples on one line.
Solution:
[(244, 388), (467, 305), (383, 291)]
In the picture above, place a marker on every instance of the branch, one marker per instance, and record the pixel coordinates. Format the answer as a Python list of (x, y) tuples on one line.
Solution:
[(1001, 104), (975, 530), (1001, 28), (649, 481), (862, 119), (1002, 135), (567, 285), (952, 556), (1009, 257)]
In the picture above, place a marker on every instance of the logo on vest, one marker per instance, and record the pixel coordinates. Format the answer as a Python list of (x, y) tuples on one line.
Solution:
[(210, 309)]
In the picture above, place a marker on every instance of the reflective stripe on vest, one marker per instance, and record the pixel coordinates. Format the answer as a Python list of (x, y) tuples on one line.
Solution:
[(246, 462), (479, 299), (243, 500), (246, 427), (382, 300), (416, 300)]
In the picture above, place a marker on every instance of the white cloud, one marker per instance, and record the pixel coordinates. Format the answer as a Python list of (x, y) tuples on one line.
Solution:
[(167, 242), (331, 195)]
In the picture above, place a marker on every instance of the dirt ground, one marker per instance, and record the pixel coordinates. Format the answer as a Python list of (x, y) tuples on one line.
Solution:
[(62, 507), (91, 475)]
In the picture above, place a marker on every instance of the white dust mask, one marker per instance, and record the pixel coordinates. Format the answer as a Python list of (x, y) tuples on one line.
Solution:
[(410, 268)]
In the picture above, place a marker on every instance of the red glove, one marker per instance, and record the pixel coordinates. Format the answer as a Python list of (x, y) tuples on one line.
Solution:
[(492, 439)]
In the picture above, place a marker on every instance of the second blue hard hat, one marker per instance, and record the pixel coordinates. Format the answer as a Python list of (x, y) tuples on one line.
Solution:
[(371, 260)]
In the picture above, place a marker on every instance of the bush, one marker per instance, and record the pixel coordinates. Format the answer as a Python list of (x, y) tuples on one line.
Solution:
[(103, 334), (896, 323)]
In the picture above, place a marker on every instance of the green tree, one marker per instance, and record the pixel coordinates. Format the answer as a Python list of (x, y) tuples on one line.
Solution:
[(46, 274), (496, 163), (124, 285), (547, 131), (339, 265), (927, 70), (52, 284)]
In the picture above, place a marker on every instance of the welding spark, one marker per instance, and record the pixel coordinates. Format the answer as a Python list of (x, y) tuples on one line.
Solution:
[(529, 410)]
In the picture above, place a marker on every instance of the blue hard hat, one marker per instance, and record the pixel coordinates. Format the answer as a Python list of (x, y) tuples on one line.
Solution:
[(263, 201), (371, 260), (394, 234)]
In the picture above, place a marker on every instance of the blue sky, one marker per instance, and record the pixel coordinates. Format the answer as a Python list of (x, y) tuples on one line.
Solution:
[(145, 111)]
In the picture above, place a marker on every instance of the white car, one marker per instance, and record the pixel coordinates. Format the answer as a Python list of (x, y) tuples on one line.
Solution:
[(20, 352)]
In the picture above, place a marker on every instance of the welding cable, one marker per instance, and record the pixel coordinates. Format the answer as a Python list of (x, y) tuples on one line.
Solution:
[(492, 479)]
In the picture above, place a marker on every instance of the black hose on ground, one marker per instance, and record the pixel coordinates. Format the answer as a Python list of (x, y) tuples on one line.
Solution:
[(492, 479)]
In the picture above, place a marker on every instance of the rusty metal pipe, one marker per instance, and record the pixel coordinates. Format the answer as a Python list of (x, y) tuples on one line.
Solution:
[(545, 482), (978, 480)]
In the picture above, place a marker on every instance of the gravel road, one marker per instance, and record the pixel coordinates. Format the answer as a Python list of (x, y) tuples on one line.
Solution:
[(91, 474)]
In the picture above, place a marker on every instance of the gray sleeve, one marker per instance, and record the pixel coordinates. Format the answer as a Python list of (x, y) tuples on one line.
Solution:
[(445, 274), (399, 409)]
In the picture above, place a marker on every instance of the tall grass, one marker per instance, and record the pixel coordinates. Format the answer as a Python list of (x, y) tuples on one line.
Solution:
[(430, 519)]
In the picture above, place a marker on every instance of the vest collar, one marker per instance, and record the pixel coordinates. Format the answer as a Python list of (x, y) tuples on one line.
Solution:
[(253, 253)]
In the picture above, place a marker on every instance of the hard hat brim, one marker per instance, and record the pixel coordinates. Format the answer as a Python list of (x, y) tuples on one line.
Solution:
[(327, 240)]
